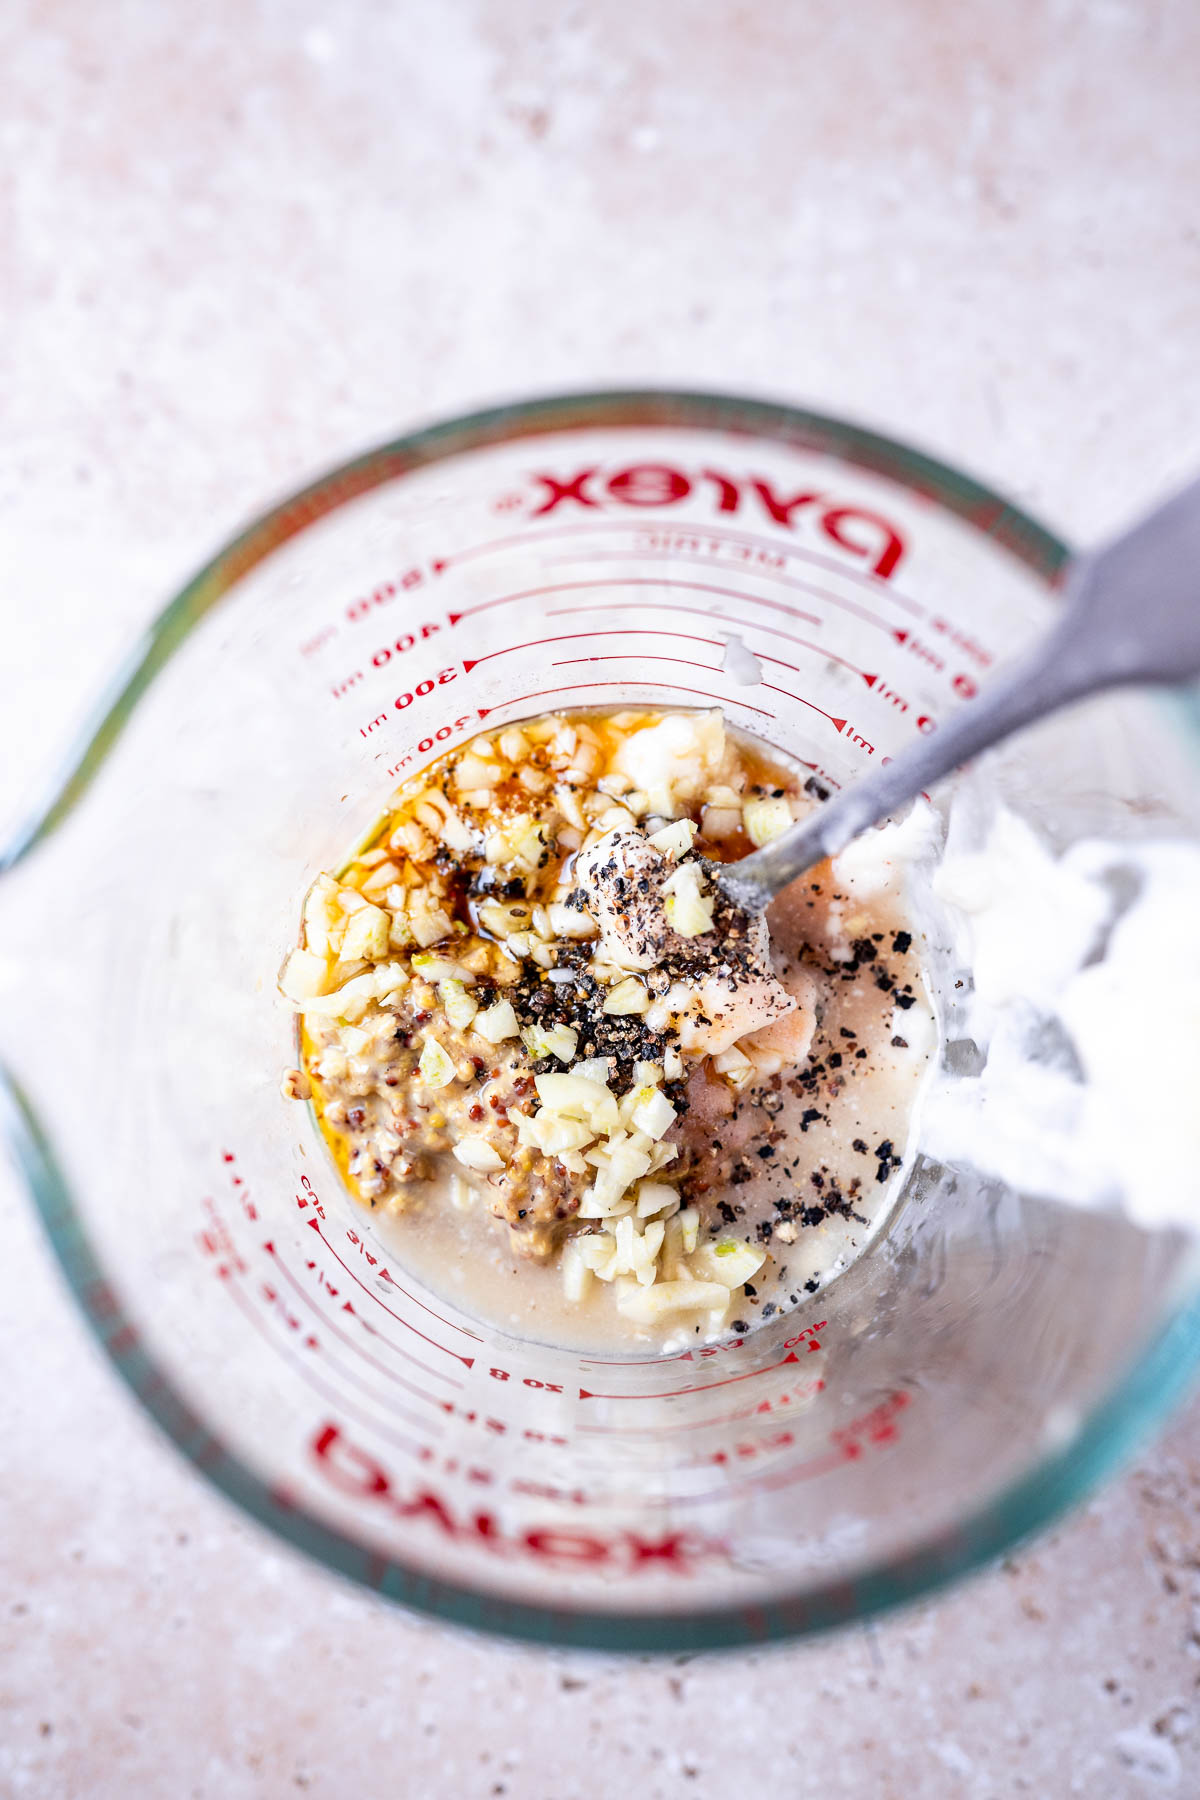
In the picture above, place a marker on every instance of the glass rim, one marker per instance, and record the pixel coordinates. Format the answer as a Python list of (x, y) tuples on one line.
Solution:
[(1155, 1383)]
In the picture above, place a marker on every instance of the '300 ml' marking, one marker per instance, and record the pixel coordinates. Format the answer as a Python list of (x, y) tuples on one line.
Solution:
[(403, 701)]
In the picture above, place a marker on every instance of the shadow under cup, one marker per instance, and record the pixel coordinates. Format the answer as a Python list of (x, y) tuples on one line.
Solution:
[(985, 1360)]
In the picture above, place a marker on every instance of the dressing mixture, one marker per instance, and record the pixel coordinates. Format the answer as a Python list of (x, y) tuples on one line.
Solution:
[(591, 1098)]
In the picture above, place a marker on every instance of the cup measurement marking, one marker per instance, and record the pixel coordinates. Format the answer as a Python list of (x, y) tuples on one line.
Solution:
[(679, 545), (567, 637), (310, 1197), (753, 540), (347, 1306), (839, 725), (740, 1416), (964, 685), (848, 1444), (578, 686), (309, 1375), (969, 646), (809, 1470), (399, 1350), (718, 643), (654, 1362), (726, 1380), (501, 1427), (877, 1427), (473, 1474), (386, 1275), (694, 612), (220, 1241), (467, 1361), (825, 564), (622, 583)]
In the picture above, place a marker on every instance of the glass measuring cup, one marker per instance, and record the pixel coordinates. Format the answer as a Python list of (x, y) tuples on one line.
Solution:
[(983, 1363)]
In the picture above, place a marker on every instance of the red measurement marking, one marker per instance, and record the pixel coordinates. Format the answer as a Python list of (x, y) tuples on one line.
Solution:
[(500, 1428), (848, 1444), (387, 590), (218, 1242), (274, 1298), (323, 1280), (497, 1426), (686, 547), (803, 587), (735, 1343), (316, 643), (699, 613), (442, 735), (674, 686), (450, 1465), (542, 1490), (386, 1275), (625, 582), (739, 1416), (649, 656), (309, 1375), (381, 657), (716, 668), (809, 1470), (921, 651), (749, 1451), (840, 601), (678, 1393), (882, 691), (658, 485), (467, 1361), (236, 1181), (568, 637), (876, 1427), (422, 691), (585, 528), (825, 563), (695, 612), (398, 1350), (968, 645), (642, 1362), (329, 1325), (793, 612), (839, 725)]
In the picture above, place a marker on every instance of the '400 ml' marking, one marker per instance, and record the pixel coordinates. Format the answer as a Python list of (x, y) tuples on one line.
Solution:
[(380, 658)]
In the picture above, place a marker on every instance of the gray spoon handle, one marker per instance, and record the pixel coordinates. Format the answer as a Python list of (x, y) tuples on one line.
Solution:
[(1132, 614)]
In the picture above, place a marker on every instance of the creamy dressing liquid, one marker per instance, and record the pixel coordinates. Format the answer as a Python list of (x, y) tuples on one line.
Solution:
[(810, 1169)]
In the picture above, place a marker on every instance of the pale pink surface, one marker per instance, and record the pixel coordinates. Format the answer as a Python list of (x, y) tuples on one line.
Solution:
[(240, 242)]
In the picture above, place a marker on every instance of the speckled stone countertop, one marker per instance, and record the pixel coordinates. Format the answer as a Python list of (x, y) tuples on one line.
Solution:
[(240, 242)]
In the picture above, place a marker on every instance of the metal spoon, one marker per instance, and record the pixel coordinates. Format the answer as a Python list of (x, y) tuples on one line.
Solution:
[(1132, 614)]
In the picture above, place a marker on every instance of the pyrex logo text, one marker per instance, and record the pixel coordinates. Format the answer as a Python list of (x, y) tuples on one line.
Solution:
[(356, 1472), (861, 533)]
